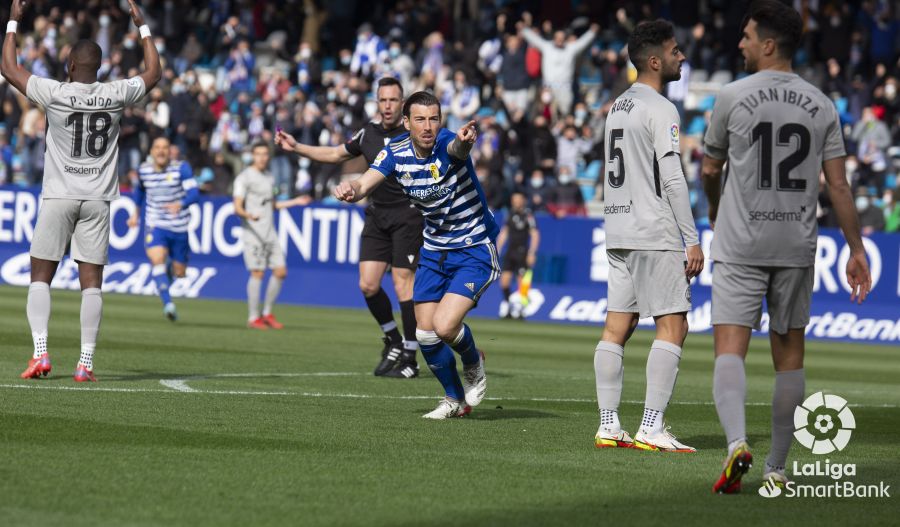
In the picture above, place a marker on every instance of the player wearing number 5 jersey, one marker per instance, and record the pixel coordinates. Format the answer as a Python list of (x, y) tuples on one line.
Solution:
[(79, 178), (651, 240), (777, 133)]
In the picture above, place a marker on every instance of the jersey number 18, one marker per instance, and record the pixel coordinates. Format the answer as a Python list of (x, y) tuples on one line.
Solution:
[(98, 125)]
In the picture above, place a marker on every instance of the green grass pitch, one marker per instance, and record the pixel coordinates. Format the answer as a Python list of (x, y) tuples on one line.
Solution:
[(204, 422)]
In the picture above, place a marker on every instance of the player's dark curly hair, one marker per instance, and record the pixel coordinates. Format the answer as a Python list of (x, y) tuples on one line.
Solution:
[(645, 38), (779, 22), (421, 97)]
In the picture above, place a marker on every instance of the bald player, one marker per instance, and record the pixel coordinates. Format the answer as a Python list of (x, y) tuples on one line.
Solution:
[(80, 178), (165, 190)]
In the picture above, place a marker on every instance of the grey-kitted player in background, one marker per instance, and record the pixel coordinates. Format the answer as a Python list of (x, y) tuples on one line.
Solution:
[(777, 132), (651, 240)]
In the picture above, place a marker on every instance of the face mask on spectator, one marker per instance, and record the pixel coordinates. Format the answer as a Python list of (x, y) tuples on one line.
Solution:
[(565, 179), (160, 47), (546, 97), (580, 114), (395, 52), (247, 158), (305, 53), (862, 203), (890, 90), (178, 88), (51, 33), (129, 43), (537, 182), (104, 20), (69, 22), (345, 60)]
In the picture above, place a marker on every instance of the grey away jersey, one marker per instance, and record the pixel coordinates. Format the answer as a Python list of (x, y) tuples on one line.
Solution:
[(82, 134), (642, 127), (258, 190), (775, 130)]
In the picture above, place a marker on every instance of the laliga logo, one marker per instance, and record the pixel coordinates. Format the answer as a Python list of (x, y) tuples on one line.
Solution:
[(823, 423)]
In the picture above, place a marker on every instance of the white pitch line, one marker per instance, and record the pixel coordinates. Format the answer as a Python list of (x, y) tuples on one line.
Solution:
[(370, 396)]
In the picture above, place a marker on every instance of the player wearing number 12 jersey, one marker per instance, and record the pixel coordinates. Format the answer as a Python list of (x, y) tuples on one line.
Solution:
[(648, 225), (80, 178), (777, 133)]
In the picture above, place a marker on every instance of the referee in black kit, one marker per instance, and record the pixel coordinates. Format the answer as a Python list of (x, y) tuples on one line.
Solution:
[(391, 237)]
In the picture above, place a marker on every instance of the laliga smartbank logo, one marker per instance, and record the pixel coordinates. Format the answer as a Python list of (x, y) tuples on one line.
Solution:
[(824, 424)]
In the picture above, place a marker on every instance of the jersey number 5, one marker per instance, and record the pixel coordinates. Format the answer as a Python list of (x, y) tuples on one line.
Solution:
[(98, 125), (616, 159), (763, 133)]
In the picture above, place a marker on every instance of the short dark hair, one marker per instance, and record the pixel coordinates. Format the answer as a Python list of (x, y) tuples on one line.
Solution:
[(423, 98), (647, 35), (779, 22), (259, 144), (86, 53), (389, 81)]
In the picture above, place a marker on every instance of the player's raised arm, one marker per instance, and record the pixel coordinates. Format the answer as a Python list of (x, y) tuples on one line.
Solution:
[(359, 188), (10, 69), (321, 154), (153, 70), (463, 142), (858, 276)]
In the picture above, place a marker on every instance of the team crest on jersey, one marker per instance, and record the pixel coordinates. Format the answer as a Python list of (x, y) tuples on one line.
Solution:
[(674, 134), (470, 286), (435, 173), (379, 158), (170, 177)]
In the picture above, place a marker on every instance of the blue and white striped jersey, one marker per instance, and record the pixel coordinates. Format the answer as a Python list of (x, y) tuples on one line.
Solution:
[(444, 189), (160, 188)]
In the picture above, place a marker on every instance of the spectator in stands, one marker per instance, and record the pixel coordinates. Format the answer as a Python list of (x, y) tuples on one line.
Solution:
[(565, 199), (872, 138), (871, 217), (558, 61), (370, 51), (570, 150), (464, 101), (512, 77)]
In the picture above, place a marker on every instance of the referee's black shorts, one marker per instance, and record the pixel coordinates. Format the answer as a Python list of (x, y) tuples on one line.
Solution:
[(392, 235), (515, 260)]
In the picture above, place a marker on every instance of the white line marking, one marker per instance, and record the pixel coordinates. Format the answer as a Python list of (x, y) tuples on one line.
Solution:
[(370, 396), (180, 385)]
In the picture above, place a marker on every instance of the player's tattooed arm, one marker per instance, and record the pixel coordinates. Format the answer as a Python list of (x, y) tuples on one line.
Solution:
[(9, 67), (460, 147), (711, 172), (359, 188)]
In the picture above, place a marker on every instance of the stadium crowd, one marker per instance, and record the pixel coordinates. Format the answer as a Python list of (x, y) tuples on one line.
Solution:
[(537, 76)]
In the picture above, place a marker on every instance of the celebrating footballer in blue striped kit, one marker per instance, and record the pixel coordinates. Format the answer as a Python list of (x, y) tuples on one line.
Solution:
[(166, 189), (458, 260)]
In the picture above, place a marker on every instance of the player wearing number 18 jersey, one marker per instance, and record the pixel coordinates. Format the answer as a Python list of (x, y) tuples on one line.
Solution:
[(777, 132), (648, 225), (79, 178)]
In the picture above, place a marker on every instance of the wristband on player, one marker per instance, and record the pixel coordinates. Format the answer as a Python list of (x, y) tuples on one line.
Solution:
[(11, 26), (145, 31)]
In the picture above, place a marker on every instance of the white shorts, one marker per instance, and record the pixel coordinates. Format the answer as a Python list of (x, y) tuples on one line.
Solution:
[(650, 283), (260, 254), (83, 224), (738, 291)]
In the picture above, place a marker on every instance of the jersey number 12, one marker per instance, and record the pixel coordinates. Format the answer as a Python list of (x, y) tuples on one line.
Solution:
[(98, 125), (763, 132)]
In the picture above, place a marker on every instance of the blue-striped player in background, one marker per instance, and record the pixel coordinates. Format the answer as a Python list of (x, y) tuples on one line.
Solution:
[(166, 189), (458, 260)]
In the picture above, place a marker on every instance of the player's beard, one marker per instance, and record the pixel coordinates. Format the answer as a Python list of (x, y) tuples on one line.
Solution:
[(674, 75)]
